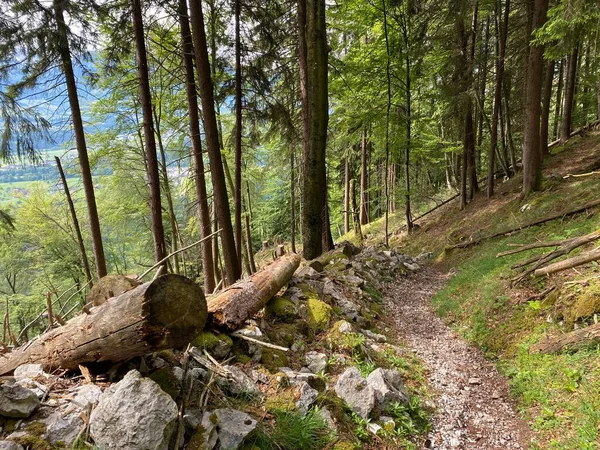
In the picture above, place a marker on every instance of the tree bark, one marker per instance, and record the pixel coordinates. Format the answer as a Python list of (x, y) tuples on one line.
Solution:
[(569, 263), (164, 313), (249, 245), (315, 223), (158, 234), (501, 33), (292, 198), (232, 267), (532, 161), (84, 261), (237, 193), (569, 95), (208, 268), (364, 180), (241, 301), (346, 194), (546, 100), (557, 106), (84, 164)]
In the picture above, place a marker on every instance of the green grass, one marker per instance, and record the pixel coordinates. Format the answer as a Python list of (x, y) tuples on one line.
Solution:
[(558, 394)]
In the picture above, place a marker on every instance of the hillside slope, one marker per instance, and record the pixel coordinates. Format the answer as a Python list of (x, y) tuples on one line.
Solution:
[(558, 394)]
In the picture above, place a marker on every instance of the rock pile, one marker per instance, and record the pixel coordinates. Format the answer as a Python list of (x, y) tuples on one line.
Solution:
[(315, 349)]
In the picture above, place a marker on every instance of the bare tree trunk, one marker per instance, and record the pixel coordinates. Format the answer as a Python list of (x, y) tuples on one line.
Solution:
[(316, 101), (355, 212), (346, 194), (364, 180), (215, 248), (567, 117), (387, 123), (546, 100), (501, 33), (292, 198), (532, 162), (249, 246), (237, 193), (84, 164), (232, 268), (557, 106), (84, 261), (208, 268)]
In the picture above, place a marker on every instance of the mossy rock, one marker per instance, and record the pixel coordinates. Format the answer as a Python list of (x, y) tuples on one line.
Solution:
[(281, 309), (273, 359), (167, 381), (32, 442), (285, 334), (218, 345), (584, 306), (333, 257), (319, 314)]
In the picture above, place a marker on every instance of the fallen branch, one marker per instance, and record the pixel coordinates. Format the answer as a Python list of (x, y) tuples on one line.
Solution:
[(162, 314), (579, 175), (539, 296), (587, 257), (573, 341), (523, 247), (256, 341), (241, 301)]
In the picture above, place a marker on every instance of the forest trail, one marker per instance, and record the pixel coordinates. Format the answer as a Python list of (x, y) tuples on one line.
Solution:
[(473, 405)]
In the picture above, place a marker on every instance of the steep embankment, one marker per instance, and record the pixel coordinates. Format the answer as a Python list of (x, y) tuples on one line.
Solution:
[(559, 395)]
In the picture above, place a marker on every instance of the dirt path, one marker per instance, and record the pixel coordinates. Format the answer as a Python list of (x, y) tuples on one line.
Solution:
[(474, 410)]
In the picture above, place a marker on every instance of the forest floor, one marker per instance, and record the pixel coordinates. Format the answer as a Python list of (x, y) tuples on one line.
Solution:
[(474, 408), (466, 319)]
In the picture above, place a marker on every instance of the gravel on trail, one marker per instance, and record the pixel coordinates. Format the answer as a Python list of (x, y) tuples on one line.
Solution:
[(473, 405)]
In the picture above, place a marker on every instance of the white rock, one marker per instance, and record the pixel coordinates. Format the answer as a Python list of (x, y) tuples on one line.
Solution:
[(374, 427), (10, 445), (231, 427), (354, 390), (239, 384), (316, 362), (88, 394), (135, 414), (345, 327), (29, 371), (308, 395), (388, 386)]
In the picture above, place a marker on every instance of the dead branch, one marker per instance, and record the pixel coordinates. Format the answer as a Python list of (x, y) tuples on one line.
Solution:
[(584, 258)]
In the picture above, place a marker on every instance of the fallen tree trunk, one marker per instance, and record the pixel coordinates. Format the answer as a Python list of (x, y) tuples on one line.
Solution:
[(241, 301), (569, 342), (584, 258), (164, 313)]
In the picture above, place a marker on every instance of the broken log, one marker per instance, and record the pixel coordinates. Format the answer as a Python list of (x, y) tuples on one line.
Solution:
[(110, 286), (584, 258), (161, 314), (241, 301), (569, 342)]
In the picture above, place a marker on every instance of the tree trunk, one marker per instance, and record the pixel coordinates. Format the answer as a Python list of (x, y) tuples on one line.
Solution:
[(557, 106), (364, 180), (249, 246), (546, 100), (84, 164), (567, 117), (346, 194), (387, 124), (84, 261), (232, 267), (241, 301), (316, 102), (292, 198), (570, 342), (158, 234), (501, 33), (164, 313), (208, 268), (532, 161), (355, 213), (237, 193)]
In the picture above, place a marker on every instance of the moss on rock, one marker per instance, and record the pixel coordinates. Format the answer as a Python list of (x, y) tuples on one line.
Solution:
[(281, 309), (167, 381), (282, 401), (273, 359), (344, 445), (218, 345), (319, 314)]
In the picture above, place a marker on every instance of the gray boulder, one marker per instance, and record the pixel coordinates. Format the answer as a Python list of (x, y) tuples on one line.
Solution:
[(226, 426), (16, 401), (29, 371), (63, 427), (315, 361), (388, 386), (354, 390), (135, 414), (308, 396), (239, 383)]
